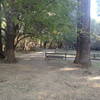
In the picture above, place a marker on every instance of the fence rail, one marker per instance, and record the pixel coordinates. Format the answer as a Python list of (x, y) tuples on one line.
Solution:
[(94, 56)]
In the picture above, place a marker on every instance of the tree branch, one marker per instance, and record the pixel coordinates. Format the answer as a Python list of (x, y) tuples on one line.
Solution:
[(3, 29), (19, 39)]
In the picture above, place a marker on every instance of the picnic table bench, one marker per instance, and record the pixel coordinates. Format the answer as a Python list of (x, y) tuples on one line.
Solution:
[(60, 55), (65, 55), (95, 56)]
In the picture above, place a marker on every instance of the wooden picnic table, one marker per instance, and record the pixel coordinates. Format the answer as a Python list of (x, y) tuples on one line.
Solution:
[(56, 55)]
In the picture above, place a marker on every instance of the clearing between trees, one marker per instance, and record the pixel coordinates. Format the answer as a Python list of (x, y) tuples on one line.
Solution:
[(34, 78)]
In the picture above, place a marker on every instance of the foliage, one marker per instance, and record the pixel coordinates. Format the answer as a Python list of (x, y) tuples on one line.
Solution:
[(95, 30), (44, 19)]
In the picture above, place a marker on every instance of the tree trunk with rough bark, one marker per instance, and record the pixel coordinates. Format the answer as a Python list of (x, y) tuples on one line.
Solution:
[(10, 37), (10, 50), (1, 45), (1, 51), (83, 34)]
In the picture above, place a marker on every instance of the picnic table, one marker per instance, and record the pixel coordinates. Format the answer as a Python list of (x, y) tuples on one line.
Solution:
[(58, 55), (95, 56)]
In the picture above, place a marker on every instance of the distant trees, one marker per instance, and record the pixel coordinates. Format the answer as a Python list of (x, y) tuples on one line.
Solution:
[(95, 28), (98, 7), (95, 35), (52, 20)]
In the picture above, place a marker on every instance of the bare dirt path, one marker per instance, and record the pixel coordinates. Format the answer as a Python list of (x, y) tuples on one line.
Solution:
[(34, 78)]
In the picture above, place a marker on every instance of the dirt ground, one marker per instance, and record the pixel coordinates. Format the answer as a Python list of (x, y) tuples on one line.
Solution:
[(34, 78)]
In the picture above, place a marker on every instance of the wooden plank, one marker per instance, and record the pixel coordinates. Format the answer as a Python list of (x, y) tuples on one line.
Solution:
[(95, 56), (50, 56), (56, 53)]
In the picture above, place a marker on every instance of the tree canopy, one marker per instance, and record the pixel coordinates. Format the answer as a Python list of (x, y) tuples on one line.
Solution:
[(46, 20)]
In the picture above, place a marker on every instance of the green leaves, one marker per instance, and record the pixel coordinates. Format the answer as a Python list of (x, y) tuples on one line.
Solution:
[(43, 17)]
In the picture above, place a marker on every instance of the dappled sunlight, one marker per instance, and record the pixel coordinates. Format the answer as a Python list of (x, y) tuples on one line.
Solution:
[(69, 69), (94, 78), (71, 56), (31, 55), (39, 52)]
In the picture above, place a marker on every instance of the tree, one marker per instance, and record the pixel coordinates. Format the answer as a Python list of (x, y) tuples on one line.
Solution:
[(10, 34), (1, 52), (83, 33), (1, 44), (35, 18)]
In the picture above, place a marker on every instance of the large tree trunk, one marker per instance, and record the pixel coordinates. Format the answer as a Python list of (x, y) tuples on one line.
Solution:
[(0, 39), (1, 45), (83, 39), (77, 58), (1, 51), (10, 37), (10, 50)]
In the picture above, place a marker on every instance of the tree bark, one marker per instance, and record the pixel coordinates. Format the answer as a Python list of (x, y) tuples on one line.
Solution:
[(77, 58), (83, 38), (10, 37), (1, 51), (1, 45), (10, 50), (0, 39)]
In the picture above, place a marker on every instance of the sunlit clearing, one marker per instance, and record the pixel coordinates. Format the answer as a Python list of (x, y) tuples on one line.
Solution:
[(94, 78), (69, 69)]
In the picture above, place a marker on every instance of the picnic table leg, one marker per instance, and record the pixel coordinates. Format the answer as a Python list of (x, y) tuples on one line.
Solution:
[(94, 56), (45, 56)]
